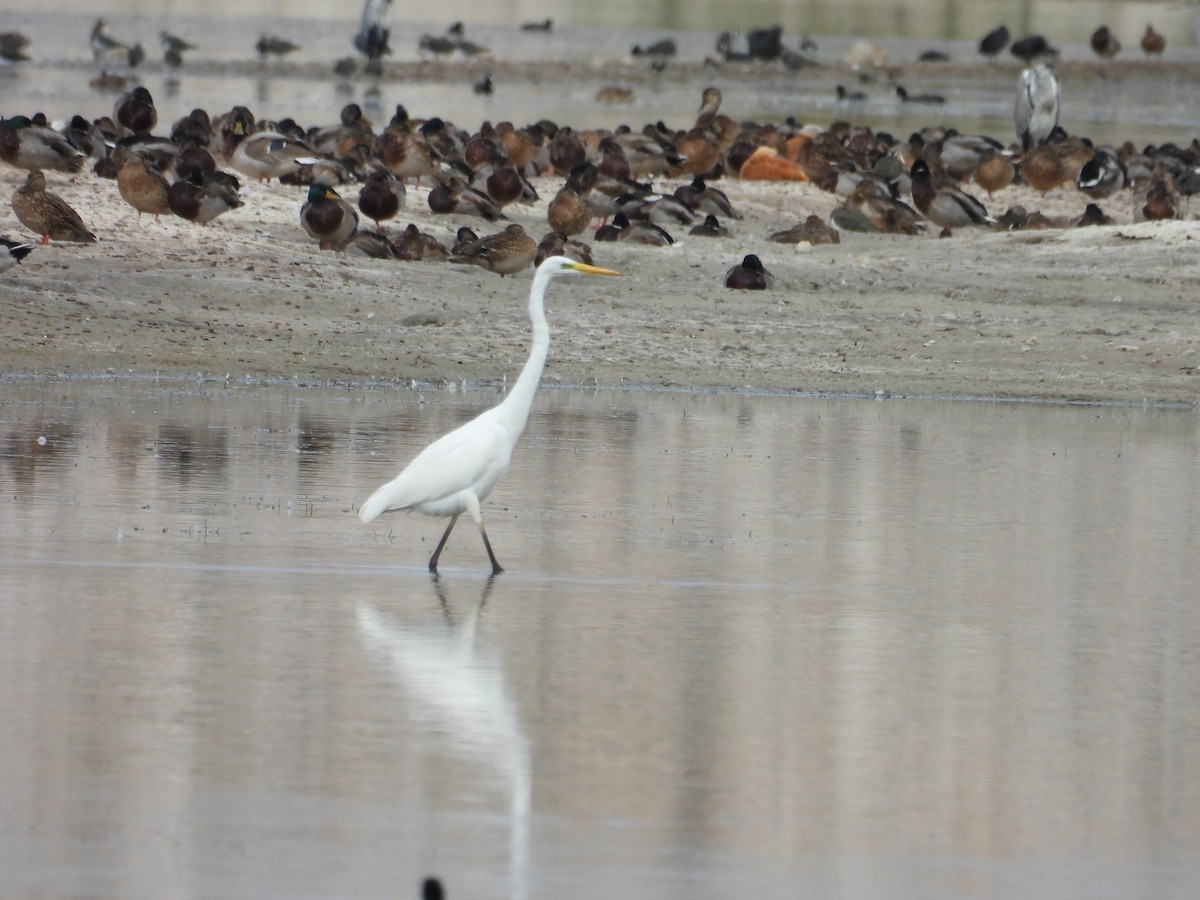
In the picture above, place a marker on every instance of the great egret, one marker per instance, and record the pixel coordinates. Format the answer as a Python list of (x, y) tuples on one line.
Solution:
[(454, 473)]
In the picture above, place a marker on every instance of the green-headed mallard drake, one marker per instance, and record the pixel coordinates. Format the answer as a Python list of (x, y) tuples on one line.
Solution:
[(453, 196), (199, 198), (749, 275), (12, 252), (506, 253), (28, 146), (143, 188), (413, 246), (555, 243), (327, 217), (945, 205), (381, 197), (135, 111), (46, 214), (268, 154)]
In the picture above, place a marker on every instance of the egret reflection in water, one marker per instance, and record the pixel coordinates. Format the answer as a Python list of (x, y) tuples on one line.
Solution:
[(459, 692)]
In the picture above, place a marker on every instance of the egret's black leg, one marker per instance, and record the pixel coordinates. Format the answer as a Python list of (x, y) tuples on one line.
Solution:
[(496, 567), (433, 560)]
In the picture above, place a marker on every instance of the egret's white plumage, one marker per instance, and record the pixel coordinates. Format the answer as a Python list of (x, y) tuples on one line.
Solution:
[(1035, 112), (454, 473)]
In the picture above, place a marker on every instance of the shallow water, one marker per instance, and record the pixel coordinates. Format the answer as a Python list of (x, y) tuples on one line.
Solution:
[(746, 646)]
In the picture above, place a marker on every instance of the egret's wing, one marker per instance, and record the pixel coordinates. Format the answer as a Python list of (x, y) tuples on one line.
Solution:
[(475, 454)]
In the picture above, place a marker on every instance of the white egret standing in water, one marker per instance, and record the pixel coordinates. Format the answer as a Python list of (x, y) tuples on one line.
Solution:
[(454, 473)]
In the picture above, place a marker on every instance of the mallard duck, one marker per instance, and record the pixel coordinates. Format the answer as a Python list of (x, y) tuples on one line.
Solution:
[(143, 188), (353, 128), (48, 214), (506, 253), (462, 237), (506, 185), (12, 47), (106, 49), (452, 195), (381, 197), (1161, 201), (135, 111), (28, 146), (749, 275), (567, 150), (1033, 47), (946, 205), (624, 230), (884, 212), (994, 173), (1042, 169), (701, 197), (406, 153), (270, 45), (414, 246), (569, 211), (555, 243), (993, 42), (173, 44), (268, 154), (370, 244), (327, 217), (1035, 112), (1105, 43), (199, 198), (906, 97), (1091, 215), (848, 96), (1101, 176), (710, 227), (812, 231), (655, 208), (1153, 43), (12, 252)]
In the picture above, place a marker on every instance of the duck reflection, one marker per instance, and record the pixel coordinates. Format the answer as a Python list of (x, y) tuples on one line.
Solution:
[(183, 451), (460, 692)]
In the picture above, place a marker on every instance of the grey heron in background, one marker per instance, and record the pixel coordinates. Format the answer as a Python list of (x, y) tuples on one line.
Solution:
[(1036, 111), (373, 31)]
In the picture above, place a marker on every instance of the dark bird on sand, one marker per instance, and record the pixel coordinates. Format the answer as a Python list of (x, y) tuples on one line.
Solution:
[(749, 275)]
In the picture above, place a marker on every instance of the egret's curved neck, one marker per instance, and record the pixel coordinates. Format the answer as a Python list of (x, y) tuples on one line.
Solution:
[(520, 397)]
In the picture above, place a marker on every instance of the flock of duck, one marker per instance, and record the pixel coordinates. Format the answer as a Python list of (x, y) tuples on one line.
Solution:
[(612, 179)]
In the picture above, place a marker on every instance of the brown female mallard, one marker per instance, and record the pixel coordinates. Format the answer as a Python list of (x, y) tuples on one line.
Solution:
[(505, 253), (143, 188), (48, 214)]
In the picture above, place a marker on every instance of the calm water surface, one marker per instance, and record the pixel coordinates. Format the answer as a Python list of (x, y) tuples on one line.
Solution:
[(746, 646)]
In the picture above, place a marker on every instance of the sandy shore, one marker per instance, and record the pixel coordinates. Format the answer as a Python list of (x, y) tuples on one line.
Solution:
[(1096, 314)]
